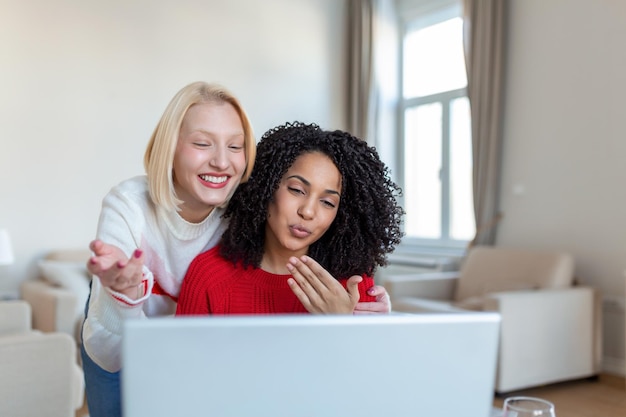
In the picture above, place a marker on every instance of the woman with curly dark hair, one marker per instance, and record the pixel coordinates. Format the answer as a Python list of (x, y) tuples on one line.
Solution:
[(318, 215)]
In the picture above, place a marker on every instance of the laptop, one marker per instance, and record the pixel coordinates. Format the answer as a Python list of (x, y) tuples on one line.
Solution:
[(400, 365)]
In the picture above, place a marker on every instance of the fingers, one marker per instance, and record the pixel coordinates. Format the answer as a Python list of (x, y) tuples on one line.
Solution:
[(318, 291), (309, 273), (114, 269), (383, 297), (377, 290), (353, 287), (99, 248), (382, 304), (129, 273), (302, 296), (306, 285), (94, 245)]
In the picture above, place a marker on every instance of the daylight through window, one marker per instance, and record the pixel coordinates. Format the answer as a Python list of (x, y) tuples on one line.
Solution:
[(436, 132)]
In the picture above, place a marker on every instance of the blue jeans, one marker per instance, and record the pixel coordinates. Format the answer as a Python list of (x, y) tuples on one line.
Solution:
[(102, 388), (104, 397)]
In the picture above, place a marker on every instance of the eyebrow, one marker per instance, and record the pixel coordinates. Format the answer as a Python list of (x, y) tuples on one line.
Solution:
[(307, 183), (212, 133)]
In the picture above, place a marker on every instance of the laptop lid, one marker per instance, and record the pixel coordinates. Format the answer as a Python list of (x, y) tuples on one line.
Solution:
[(435, 365)]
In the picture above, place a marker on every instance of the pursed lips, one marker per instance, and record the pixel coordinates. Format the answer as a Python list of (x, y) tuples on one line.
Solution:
[(299, 231)]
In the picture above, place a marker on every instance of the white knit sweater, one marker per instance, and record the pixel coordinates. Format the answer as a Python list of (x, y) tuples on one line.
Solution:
[(130, 220)]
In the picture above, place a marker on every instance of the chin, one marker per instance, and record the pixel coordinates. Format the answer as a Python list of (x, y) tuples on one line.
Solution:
[(216, 199), (298, 247)]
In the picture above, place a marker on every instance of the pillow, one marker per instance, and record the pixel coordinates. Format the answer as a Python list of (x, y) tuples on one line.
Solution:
[(72, 276)]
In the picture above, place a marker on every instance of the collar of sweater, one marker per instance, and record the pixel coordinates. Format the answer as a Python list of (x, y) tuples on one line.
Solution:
[(185, 230)]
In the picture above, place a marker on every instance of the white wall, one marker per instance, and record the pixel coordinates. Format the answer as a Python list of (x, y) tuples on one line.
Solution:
[(83, 83), (564, 147)]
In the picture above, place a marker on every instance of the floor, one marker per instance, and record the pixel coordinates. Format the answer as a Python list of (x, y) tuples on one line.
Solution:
[(83, 412), (601, 397)]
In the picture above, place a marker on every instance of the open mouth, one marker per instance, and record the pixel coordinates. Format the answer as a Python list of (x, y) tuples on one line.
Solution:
[(213, 179)]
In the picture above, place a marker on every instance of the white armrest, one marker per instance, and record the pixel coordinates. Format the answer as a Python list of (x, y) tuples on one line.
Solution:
[(545, 332), (423, 305), (431, 285), (15, 317), (40, 376), (540, 302)]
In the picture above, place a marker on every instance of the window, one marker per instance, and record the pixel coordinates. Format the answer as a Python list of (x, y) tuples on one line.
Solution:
[(435, 132)]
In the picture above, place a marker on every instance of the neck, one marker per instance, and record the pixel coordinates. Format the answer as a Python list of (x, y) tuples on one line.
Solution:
[(194, 216), (275, 259), (274, 265)]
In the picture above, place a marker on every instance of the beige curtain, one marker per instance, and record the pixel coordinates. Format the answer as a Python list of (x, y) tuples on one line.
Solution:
[(372, 70), (484, 27), (360, 66)]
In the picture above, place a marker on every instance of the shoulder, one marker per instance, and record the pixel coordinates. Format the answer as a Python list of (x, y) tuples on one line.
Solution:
[(209, 262), (138, 184), (132, 190), (210, 268), (211, 255)]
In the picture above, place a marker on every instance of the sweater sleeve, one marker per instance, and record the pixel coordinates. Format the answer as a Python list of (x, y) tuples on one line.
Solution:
[(366, 284), (120, 223)]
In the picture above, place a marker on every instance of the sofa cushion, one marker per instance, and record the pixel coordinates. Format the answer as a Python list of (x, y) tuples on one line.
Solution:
[(72, 276)]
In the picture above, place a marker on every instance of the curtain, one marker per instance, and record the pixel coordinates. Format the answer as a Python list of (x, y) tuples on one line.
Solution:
[(360, 66), (484, 24), (373, 73)]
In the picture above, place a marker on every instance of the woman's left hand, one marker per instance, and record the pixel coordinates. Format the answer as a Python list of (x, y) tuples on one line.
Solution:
[(319, 291), (381, 305)]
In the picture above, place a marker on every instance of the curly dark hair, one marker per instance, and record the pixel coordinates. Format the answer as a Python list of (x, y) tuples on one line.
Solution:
[(367, 225)]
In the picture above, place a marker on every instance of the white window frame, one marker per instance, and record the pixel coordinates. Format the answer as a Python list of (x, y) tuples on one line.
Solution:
[(416, 14)]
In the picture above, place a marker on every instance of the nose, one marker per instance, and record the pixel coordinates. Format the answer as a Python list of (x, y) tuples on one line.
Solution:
[(219, 158), (307, 209)]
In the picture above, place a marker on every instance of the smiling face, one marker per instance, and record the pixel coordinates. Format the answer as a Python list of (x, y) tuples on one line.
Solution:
[(303, 207), (209, 160)]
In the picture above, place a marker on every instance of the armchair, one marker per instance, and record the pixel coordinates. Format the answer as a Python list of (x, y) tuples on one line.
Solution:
[(550, 328), (40, 375), (58, 296)]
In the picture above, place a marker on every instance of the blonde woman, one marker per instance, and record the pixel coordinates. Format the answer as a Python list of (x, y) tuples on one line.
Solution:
[(154, 225)]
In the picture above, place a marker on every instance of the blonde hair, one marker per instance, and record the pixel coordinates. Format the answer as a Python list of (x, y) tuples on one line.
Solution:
[(159, 157)]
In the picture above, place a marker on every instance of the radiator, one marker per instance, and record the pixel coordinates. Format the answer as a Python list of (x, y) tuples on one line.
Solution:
[(406, 265)]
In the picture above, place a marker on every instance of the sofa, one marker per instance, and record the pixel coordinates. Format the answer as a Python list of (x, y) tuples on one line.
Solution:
[(59, 293), (39, 373)]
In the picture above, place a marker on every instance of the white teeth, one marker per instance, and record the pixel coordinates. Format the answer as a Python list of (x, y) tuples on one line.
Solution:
[(215, 180)]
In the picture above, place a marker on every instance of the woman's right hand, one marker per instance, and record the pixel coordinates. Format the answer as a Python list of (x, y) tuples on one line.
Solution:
[(115, 270), (318, 291)]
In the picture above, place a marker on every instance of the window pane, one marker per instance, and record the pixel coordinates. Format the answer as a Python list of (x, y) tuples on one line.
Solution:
[(433, 59), (462, 224), (422, 167)]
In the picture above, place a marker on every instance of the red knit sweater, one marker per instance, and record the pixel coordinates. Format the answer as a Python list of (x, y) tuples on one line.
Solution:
[(214, 286)]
